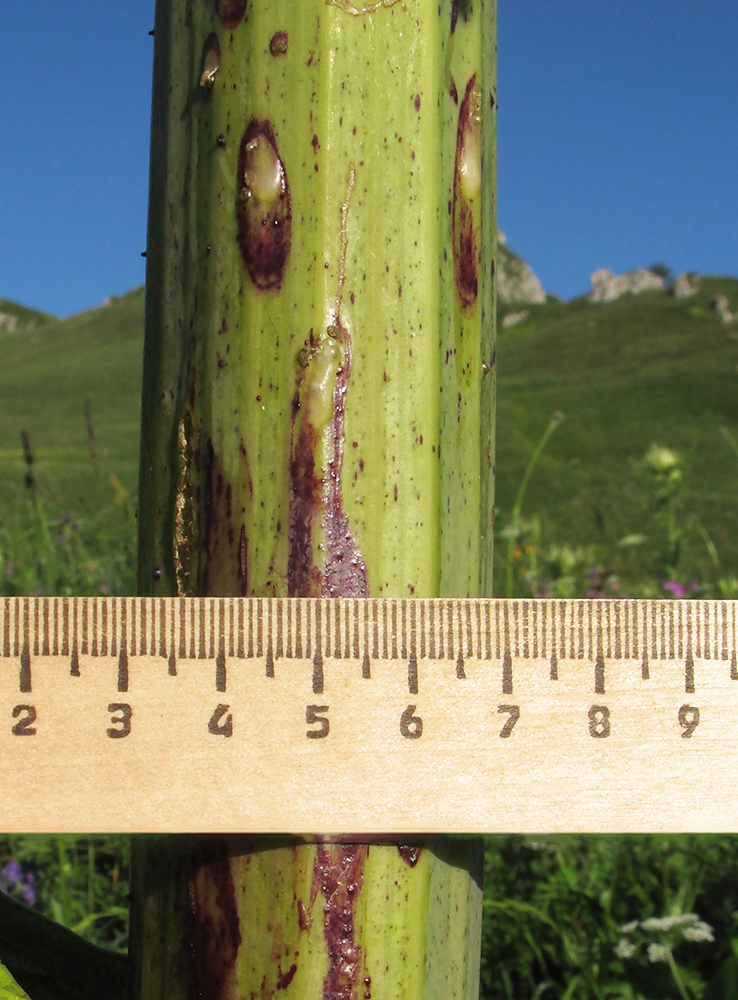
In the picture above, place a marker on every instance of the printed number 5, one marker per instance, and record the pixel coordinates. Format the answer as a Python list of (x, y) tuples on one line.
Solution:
[(313, 715)]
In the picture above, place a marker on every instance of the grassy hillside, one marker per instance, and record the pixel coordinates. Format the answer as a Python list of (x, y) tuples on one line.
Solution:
[(46, 376), (16, 319), (627, 374), (641, 370), (72, 388)]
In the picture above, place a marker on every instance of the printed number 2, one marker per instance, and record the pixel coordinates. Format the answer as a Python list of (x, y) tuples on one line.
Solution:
[(123, 720), (23, 726)]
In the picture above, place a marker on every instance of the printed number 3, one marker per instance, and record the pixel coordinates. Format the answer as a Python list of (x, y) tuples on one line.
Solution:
[(123, 720)]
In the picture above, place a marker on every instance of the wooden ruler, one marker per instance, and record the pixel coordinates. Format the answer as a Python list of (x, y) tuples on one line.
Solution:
[(367, 716)]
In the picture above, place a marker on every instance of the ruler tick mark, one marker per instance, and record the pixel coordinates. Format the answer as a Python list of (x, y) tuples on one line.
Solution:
[(554, 669), (412, 673), (123, 668), (645, 670), (689, 673), (74, 662), (460, 672), (318, 679), (25, 670), (220, 670), (600, 674), (733, 668), (507, 673), (269, 665), (366, 670)]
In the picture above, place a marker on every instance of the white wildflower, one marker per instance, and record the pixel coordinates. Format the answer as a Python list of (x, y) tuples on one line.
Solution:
[(662, 460), (658, 953), (625, 948), (629, 928), (699, 931), (665, 924)]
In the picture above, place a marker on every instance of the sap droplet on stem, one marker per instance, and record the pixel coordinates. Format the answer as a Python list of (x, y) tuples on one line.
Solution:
[(263, 208), (210, 62), (263, 175), (470, 159), (467, 186)]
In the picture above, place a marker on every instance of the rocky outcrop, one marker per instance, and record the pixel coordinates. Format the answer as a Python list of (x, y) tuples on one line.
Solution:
[(720, 305), (685, 285), (516, 282), (608, 286), (17, 319), (514, 318)]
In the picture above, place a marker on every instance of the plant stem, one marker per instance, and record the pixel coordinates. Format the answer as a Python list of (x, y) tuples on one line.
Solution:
[(679, 982), (317, 421)]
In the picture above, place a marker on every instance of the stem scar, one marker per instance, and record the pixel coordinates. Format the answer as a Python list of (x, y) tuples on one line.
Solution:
[(324, 559), (348, 8)]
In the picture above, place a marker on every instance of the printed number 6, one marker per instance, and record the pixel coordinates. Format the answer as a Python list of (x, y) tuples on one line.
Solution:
[(411, 726)]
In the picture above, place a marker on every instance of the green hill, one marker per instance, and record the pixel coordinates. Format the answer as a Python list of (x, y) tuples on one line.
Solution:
[(17, 320), (644, 369), (47, 376)]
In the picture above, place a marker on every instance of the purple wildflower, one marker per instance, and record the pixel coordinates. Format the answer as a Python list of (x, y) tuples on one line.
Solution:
[(28, 892), (679, 590), (15, 882), (12, 873)]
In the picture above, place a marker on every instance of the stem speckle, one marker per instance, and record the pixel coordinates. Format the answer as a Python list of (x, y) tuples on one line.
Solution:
[(279, 43), (231, 12)]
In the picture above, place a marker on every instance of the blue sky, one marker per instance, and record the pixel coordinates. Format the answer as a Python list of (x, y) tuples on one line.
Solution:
[(618, 141)]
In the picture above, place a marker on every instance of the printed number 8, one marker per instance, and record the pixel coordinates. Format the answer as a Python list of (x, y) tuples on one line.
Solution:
[(599, 721)]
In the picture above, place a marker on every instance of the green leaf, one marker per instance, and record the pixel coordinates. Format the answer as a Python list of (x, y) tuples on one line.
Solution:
[(9, 989)]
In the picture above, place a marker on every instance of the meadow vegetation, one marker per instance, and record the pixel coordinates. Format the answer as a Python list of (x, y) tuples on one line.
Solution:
[(627, 490)]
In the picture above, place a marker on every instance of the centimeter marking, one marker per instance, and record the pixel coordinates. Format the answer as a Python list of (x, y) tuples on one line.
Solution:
[(367, 658), (272, 629)]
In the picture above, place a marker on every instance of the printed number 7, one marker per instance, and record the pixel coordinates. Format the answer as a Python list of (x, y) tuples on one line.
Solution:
[(514, 712)]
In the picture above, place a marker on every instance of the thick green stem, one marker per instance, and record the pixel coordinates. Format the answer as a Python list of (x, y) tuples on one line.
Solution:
[(317, 420), (319, 318), (270, 916)]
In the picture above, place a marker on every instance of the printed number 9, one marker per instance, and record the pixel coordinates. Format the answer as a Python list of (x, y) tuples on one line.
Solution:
[(689, 719)]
